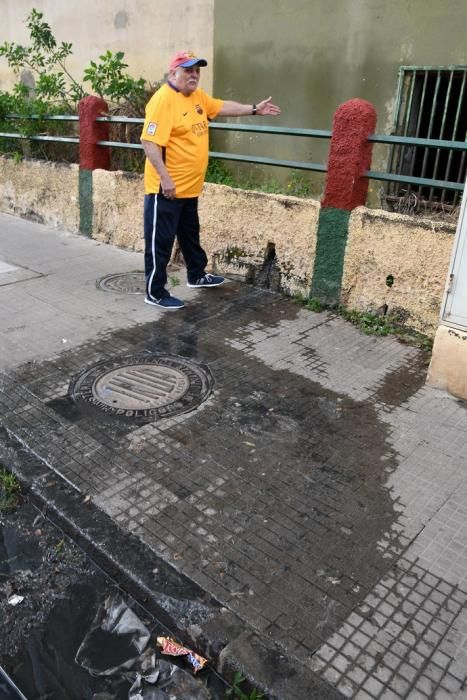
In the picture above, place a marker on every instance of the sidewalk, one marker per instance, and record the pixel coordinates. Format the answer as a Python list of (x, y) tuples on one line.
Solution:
[(305, 520)]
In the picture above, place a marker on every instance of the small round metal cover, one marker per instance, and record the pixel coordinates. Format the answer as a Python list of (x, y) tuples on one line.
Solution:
[(123, 283), (142, 388)]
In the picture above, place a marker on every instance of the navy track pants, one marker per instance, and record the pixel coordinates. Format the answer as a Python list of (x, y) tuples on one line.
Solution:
[(165, 219)]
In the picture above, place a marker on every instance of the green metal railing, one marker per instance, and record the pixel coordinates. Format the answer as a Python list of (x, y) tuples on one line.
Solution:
[(56, 117), (257, 160), (317, 167), (58, 139), (424, 143), (277, 162)]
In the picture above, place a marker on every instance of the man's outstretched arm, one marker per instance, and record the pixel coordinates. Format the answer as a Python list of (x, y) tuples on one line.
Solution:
[(235, 109)]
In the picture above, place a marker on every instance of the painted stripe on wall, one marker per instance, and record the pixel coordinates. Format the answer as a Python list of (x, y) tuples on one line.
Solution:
[(85, 202), (333, 228)]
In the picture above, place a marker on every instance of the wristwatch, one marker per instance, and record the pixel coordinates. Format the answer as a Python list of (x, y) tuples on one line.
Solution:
[(253, 109)]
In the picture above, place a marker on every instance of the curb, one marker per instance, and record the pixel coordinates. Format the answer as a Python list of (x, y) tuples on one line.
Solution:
[(189, 612)]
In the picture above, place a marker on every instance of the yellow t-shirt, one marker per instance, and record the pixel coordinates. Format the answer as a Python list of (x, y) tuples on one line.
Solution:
[(179, 125)]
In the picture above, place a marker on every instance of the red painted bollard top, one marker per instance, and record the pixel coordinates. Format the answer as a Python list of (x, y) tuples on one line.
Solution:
[(92, 156), (349, 155)]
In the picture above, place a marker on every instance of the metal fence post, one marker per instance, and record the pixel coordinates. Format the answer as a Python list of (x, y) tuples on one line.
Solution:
[(345, 188), (91, 156)]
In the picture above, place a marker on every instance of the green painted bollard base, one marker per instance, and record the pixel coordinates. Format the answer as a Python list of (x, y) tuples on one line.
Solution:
[(85, 202), (333, 227)]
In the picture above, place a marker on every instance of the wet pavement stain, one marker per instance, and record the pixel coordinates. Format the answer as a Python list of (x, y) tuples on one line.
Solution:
[(271, 496), (398, 386)]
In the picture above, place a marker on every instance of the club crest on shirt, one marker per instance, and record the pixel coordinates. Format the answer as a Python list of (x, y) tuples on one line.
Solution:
[(151, 130), (200, 129), (199, 109)]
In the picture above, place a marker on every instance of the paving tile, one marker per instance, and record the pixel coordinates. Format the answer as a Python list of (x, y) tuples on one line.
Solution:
[(321, 474)]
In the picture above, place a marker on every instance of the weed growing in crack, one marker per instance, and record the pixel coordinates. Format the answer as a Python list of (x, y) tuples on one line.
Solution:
[(10, 491), (372, 323), (236, 692), (380, 324)]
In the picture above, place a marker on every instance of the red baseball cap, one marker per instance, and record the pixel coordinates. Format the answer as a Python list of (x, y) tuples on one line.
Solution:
[(186, 59)]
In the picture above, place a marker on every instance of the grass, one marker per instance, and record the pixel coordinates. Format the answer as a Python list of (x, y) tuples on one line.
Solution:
[(59, 547), (392, 324), (372, 323), (10, 491), (236, 692)]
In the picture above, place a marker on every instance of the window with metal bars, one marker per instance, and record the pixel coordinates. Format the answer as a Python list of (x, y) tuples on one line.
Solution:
[(431, 103)]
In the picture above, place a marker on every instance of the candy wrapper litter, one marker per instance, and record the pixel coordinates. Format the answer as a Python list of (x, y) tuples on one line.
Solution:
[(172, 648)]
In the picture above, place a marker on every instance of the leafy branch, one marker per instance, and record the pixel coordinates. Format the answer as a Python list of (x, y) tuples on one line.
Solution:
[(108, 79)]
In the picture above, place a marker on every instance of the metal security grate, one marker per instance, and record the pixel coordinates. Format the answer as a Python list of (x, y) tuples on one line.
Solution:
[(431, 103)]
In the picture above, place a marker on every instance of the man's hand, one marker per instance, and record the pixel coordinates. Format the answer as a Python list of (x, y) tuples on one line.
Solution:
[(167, 186), (266, 108)]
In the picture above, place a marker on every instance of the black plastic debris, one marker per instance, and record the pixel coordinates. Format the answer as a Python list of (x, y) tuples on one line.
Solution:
[(118, 644), (115, 641), (8, 690)]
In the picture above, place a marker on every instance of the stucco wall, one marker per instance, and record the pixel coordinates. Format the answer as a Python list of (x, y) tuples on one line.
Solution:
[(240, 226), (237, 226), (118, 209), (39, 191), (147, 31), (313, 56), (416, 252)]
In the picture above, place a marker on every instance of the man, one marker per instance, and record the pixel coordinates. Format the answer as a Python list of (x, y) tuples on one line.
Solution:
[(176, 143)]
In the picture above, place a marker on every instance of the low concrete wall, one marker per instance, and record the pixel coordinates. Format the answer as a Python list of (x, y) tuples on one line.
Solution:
[(40, 191), (237, 226), (415, 252), (244, 229), (241, 228), (118, 209)]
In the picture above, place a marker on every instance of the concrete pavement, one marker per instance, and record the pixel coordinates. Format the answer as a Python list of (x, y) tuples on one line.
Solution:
[(297, 508)]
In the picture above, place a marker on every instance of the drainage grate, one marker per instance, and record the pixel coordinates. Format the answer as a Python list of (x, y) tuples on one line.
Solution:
[(142, 387), (123, 283)]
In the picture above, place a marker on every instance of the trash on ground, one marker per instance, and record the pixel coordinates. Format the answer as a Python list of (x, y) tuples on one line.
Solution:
[(173, 648), (15, 599), (117, 643), (163, 680), (116, 639)]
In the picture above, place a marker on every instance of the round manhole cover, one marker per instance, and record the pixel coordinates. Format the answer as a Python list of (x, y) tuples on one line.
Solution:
[(143, 387), (123, 283)]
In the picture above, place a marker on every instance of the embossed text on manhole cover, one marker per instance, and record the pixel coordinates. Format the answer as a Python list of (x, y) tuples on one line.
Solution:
[(123, 283), (143, 387)]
